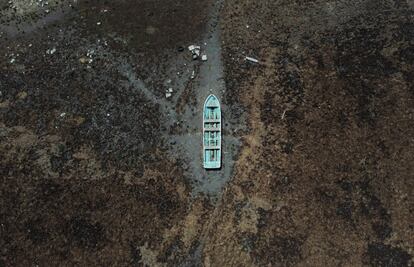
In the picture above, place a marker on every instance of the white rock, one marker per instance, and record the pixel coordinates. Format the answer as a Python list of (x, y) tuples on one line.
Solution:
[(51, 51), (168, 95)]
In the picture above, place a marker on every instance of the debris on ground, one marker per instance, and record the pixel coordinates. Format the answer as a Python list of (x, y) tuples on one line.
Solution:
[(51, 51), (195, 50), (22, 95), (168, 92), (88, 59), (193, 74), (83, 60), (204, 57), (252, 60)]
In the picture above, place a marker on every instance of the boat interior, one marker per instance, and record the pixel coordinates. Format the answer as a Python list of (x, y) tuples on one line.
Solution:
[(212, 133)]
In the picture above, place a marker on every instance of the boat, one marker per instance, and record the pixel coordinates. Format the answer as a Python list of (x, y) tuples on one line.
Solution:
[(212, 133)]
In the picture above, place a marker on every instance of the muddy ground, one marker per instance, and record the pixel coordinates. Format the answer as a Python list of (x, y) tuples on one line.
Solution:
[(99, 167)]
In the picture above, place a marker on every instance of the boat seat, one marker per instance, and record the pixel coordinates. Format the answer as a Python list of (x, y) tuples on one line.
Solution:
[(212, 120), (212, 147)]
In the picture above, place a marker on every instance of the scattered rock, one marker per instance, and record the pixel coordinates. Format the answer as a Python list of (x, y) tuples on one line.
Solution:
[(150, 30), (51, 51), (5, 104), (22, 95), (83, 60), (195, 50), (80, 156), (78, 120)]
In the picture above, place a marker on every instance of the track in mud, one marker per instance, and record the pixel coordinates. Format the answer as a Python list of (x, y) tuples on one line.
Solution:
[(209, 80), (186, 140)]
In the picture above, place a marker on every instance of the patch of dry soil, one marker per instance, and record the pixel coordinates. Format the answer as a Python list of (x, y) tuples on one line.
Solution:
[(325, 176)]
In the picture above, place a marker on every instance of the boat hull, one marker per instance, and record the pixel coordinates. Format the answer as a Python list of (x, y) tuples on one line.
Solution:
[(212, 133)]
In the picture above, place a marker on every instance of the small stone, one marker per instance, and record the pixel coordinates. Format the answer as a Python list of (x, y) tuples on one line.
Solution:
[(4, 104), (204, 57), (22, 95), (80, 156), (78, 120), (168, 95), (51, 51), (150, 30), (83, 60)]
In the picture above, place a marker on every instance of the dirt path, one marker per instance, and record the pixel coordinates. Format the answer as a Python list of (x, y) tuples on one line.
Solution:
[(188, 144)]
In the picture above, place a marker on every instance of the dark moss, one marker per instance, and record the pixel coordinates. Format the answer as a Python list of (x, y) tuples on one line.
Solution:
[(135, 254), (36, 232), (382, 229), (387, 256), (49, 191), (248, 241), (345, 210), (279, 250), (85, 233)]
